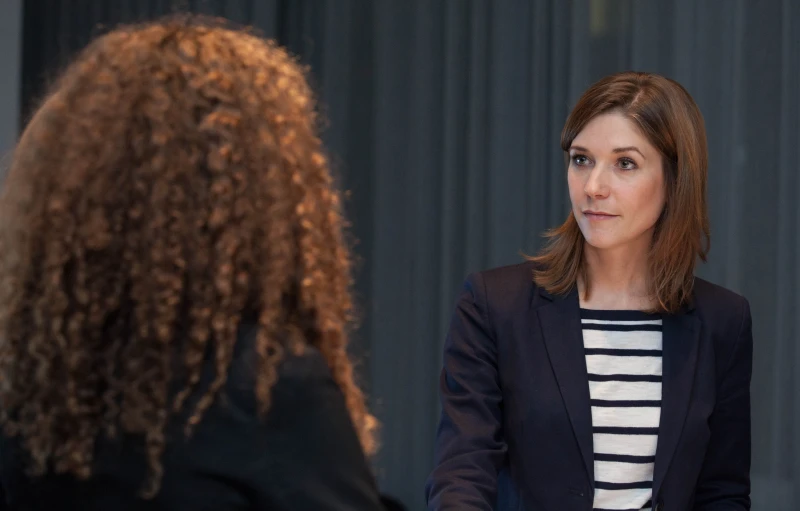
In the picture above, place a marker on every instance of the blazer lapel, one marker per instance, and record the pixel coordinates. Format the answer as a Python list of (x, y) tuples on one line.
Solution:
[(560, 322), (680, 341)]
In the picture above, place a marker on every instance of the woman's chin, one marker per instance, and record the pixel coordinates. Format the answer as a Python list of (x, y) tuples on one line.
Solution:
[(601, 241)]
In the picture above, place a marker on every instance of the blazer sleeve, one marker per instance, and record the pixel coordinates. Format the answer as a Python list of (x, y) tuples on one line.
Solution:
[(470, 448), (724, 482)]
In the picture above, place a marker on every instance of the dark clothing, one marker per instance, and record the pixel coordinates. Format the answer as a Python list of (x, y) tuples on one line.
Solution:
[(304, 455), (516, 426)]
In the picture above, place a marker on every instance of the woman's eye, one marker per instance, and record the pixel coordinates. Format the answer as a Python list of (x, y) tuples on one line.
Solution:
[(627, 164), (580, 160)]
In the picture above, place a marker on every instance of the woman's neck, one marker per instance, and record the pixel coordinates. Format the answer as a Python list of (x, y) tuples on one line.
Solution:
[(618, 278)]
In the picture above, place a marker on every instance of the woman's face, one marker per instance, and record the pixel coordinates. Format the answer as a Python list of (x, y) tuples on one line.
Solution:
[(616, 183)]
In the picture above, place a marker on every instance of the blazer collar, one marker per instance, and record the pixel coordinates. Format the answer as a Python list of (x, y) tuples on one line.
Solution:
[(559, 319)]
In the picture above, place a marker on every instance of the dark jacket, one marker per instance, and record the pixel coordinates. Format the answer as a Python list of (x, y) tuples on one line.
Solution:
[(304, 456), (516, 425)]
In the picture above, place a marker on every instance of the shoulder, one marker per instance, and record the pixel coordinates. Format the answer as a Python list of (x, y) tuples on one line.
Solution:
[(511, 277), (719, 307), (504, 288), (510, 280), (707, 293), (307, 436), (725, 318)]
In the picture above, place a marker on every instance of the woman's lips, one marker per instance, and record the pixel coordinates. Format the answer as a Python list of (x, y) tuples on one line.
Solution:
[(598, 215)]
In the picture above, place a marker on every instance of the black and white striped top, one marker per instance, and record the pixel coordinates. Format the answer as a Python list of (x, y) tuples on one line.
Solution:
[(623, 358)]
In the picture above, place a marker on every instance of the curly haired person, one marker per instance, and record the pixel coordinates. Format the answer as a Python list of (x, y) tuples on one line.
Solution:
[(175, 287)]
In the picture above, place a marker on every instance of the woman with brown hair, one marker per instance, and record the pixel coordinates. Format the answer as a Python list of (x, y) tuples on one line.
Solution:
[(175, 288), (602, 374)]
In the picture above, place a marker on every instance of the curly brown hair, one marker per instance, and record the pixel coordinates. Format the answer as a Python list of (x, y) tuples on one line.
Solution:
[(172, 184)]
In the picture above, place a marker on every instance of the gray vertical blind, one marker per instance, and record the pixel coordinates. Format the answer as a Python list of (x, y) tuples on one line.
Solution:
[(11, 42)]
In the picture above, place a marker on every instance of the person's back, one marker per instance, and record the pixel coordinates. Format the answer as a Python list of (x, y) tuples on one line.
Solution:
[(233, 460), (174, 288)]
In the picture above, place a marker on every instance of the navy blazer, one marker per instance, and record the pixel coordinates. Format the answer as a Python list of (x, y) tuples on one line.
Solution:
[(516, 424)]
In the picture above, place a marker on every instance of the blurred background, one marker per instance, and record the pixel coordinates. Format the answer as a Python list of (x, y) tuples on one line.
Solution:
[(443, 120)]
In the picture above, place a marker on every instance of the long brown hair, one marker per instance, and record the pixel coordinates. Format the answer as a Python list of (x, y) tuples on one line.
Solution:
[(669, 118), (172, 184)]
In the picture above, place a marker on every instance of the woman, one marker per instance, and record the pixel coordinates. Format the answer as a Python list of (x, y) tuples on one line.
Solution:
[(175, 287), (602, 374)]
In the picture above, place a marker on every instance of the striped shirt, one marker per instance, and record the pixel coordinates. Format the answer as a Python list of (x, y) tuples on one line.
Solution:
[(623, 359)]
